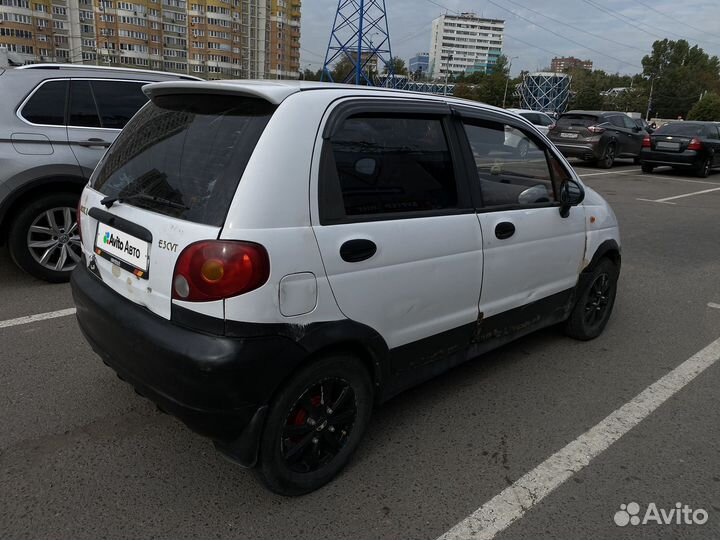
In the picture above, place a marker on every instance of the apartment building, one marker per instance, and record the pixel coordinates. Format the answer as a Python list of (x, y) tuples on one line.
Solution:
[(284, 52), (561, 65), (213, 39), (464, 43)]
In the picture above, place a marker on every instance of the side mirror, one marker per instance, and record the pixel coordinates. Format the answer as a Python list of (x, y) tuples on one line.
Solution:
[(571, 194)]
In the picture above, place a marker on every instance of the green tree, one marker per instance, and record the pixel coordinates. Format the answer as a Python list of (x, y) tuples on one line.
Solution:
[(707, 109), (398, 65), (343, 71), (680, 74)]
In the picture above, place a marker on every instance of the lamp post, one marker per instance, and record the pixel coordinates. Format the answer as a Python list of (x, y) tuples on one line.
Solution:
[(507, 82), (649, 107), (447, 73)]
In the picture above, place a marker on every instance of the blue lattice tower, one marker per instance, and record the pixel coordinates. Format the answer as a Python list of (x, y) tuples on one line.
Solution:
[(361, 35)]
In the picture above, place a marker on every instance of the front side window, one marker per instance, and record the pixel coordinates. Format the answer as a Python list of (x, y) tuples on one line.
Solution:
[(628, 122), (512, 168), (390, 165), (47, 104)]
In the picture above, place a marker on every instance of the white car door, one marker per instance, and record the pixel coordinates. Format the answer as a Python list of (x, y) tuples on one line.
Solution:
[(532, 254), (397, 231)]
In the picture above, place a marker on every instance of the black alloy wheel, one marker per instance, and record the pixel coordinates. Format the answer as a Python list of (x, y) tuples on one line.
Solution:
[(595, 301), (318, 425), (314, 424), (598, 300)]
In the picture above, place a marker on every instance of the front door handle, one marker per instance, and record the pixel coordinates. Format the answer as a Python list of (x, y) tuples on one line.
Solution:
[(94, 142), (359, 250), (504, 230)]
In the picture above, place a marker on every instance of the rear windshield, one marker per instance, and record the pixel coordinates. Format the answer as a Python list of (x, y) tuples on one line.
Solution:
[(186, 151), (679, 128), (577, 120)]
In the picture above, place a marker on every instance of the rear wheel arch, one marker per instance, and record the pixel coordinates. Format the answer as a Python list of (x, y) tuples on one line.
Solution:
[(31, 190)]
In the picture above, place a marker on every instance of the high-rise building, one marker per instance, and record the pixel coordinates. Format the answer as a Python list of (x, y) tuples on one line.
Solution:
[(420, 63), (561, 65), (208, 38), (464, 43), (284, 52)]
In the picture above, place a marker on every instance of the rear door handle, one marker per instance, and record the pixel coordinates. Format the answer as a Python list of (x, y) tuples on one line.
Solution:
[(94, 142), (358, 250), (504, 230)]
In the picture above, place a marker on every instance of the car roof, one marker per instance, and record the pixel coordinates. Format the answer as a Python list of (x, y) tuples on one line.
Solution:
[(593, 113), (276, 91), (100, 70), (526, 111)]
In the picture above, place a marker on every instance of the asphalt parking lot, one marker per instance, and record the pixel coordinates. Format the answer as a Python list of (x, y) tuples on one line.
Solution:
[(82, 456)]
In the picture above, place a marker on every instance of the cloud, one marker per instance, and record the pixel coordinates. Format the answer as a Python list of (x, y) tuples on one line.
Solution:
[(616, 47)]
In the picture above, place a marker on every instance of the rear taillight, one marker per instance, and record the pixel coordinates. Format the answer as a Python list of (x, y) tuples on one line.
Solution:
[(596, 129), (695, 144), (216, 269), (646, 142)]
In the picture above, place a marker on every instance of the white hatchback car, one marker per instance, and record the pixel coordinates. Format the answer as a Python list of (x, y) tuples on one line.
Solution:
[(267, 261)]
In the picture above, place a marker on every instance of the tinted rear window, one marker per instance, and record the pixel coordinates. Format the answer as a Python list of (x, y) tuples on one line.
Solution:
[(688, 130), (188, 149), (577, 120)]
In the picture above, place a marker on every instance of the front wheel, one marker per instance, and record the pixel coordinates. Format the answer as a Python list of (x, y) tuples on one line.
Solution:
[(594, 303), (315, 424), (44, 239)]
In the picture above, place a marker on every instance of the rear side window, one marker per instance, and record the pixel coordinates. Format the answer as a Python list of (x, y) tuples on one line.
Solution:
[(188, 150), (118, 101), (617, 121), (577, 120), (47, 104), (389, 165)]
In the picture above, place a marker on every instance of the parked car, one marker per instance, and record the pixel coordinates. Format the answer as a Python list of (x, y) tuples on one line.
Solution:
[(267, 261), (693, 146), (56, 121), (597, 136), (540, 120)]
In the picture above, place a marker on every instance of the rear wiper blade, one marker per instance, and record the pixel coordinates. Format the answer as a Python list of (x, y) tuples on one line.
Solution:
[(109, 201)]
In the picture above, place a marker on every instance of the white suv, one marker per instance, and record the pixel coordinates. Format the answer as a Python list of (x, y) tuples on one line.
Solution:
[(268, 261)]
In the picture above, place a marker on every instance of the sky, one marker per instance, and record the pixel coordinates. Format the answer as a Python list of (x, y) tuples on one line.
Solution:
[(624, 30)]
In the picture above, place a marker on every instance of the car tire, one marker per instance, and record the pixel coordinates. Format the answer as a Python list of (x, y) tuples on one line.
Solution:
[(35, 235), (704, 170), (608, 157), (305, 443), (594, 303), (647, 168)]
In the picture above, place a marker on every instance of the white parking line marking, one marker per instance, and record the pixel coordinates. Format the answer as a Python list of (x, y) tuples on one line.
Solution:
[(608, 172), (38, 317), (512, 503), (666, 199), (713, 305)]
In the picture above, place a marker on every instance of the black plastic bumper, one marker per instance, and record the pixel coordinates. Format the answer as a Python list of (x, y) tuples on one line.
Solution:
[(580, 150), (218, 386), (687, 158)]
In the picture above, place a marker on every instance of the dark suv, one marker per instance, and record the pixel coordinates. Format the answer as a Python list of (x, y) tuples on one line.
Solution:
[(56, 121), (598, 136)]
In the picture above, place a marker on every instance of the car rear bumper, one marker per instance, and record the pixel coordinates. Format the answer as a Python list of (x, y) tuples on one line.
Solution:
[(688, 158), (218, 386), (578, 150)]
